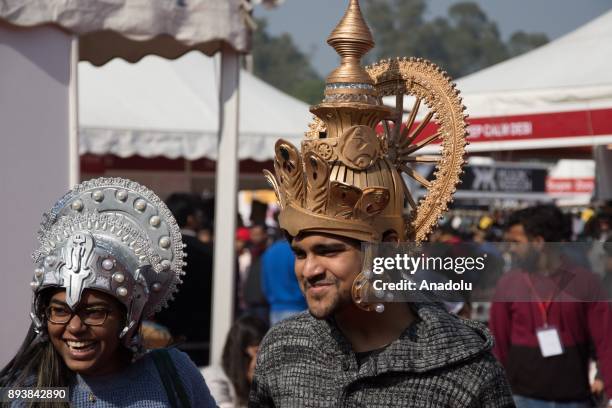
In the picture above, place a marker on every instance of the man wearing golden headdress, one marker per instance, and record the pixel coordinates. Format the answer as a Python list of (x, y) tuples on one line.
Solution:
[(346, 188)]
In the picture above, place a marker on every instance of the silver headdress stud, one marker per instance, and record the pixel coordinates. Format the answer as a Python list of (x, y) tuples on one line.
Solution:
[(115, 236)]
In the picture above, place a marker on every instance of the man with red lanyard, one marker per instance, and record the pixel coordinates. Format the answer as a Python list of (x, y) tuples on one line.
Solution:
[(543, 339)]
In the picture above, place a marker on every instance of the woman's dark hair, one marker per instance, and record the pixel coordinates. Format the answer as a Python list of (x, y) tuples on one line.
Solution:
[(246, 331), (182, 205), (37, 364)]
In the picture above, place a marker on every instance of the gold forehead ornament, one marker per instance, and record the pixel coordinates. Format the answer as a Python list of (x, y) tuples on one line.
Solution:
[(349, 179)]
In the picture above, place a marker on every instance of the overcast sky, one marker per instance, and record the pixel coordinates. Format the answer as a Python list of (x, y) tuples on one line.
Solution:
[(310, 21)]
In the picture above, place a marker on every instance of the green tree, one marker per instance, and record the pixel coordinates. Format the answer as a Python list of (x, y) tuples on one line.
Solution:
[(463, 42), (396, 25), (278, 61), (473, 41), (520, 42)]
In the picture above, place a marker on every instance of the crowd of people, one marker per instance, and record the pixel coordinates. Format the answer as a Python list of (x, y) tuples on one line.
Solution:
[(577, 367), (570, 362), (268, 292), (586, 326)]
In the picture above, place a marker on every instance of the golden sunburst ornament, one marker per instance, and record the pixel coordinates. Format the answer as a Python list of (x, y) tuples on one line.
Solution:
[(350, 177), (433, 92)]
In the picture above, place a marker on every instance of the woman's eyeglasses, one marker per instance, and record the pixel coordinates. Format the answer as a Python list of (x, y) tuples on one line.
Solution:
[(90, 316)]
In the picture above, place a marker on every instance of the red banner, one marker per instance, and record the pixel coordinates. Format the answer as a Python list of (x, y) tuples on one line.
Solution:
[(536, 126), (570, 185)]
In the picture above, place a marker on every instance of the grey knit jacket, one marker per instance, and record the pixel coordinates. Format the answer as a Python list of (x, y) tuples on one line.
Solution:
[(440, 361)]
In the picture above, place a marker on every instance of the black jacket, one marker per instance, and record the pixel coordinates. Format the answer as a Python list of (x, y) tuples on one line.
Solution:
[(188, 315)]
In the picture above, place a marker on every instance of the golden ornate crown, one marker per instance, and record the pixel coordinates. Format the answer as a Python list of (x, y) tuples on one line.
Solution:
[(348, 180)]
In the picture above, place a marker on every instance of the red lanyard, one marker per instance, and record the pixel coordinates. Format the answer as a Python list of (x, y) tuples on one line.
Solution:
[(544, 306)]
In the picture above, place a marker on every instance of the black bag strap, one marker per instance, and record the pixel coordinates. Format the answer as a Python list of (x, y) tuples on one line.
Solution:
[(170, 379)]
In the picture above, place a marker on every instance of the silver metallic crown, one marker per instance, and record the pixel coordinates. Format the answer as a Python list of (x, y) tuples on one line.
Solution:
[(115, 236)]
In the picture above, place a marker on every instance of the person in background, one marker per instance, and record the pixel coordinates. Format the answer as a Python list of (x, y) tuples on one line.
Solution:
[(598, 386), (446, 234), (206, 215), (607, 280), (155, 336), (545, 344), (191, 330), (206, 234), (258, 234), (280, 286), (254, 297), (243, 236), (596, 232), (243, 257), (229, 383)]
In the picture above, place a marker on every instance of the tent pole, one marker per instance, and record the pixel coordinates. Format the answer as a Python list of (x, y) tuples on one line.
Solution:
[(225, 204), (73, 114)]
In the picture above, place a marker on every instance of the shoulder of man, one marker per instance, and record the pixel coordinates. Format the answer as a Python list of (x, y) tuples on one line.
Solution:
[(487, 380), (286, 343), (461, 349), (445, 339), (297, 330)]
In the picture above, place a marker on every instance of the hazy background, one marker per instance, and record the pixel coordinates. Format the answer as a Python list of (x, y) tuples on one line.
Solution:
[(310, 21)]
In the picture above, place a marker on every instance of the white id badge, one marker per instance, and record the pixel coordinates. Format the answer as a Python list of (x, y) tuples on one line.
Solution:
[(549, 341)]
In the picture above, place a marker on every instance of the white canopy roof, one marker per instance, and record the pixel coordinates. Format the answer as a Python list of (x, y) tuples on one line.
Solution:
[(570, 73), (158, 107), (132, 29), (558, 95)]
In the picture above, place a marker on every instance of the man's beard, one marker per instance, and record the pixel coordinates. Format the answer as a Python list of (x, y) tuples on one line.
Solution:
[(329, 310), (527, 262), (334, 304)]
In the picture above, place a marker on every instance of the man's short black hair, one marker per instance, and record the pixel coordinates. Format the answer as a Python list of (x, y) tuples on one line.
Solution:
[(182, 205), (261, 225), (546, 221)]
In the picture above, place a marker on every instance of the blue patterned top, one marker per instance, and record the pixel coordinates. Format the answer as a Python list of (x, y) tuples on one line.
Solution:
[(139, 385)]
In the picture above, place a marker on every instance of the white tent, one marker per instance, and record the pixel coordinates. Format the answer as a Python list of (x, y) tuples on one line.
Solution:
[(558, 95), (131, 29), (159, 107)]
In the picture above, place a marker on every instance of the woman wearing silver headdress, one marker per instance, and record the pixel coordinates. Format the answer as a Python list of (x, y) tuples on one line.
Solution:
[(110, 256)]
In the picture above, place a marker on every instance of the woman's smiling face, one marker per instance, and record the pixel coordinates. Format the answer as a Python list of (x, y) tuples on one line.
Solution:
[(88, 341)]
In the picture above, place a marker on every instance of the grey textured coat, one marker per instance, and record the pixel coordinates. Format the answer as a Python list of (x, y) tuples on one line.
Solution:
[(440, 361)]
